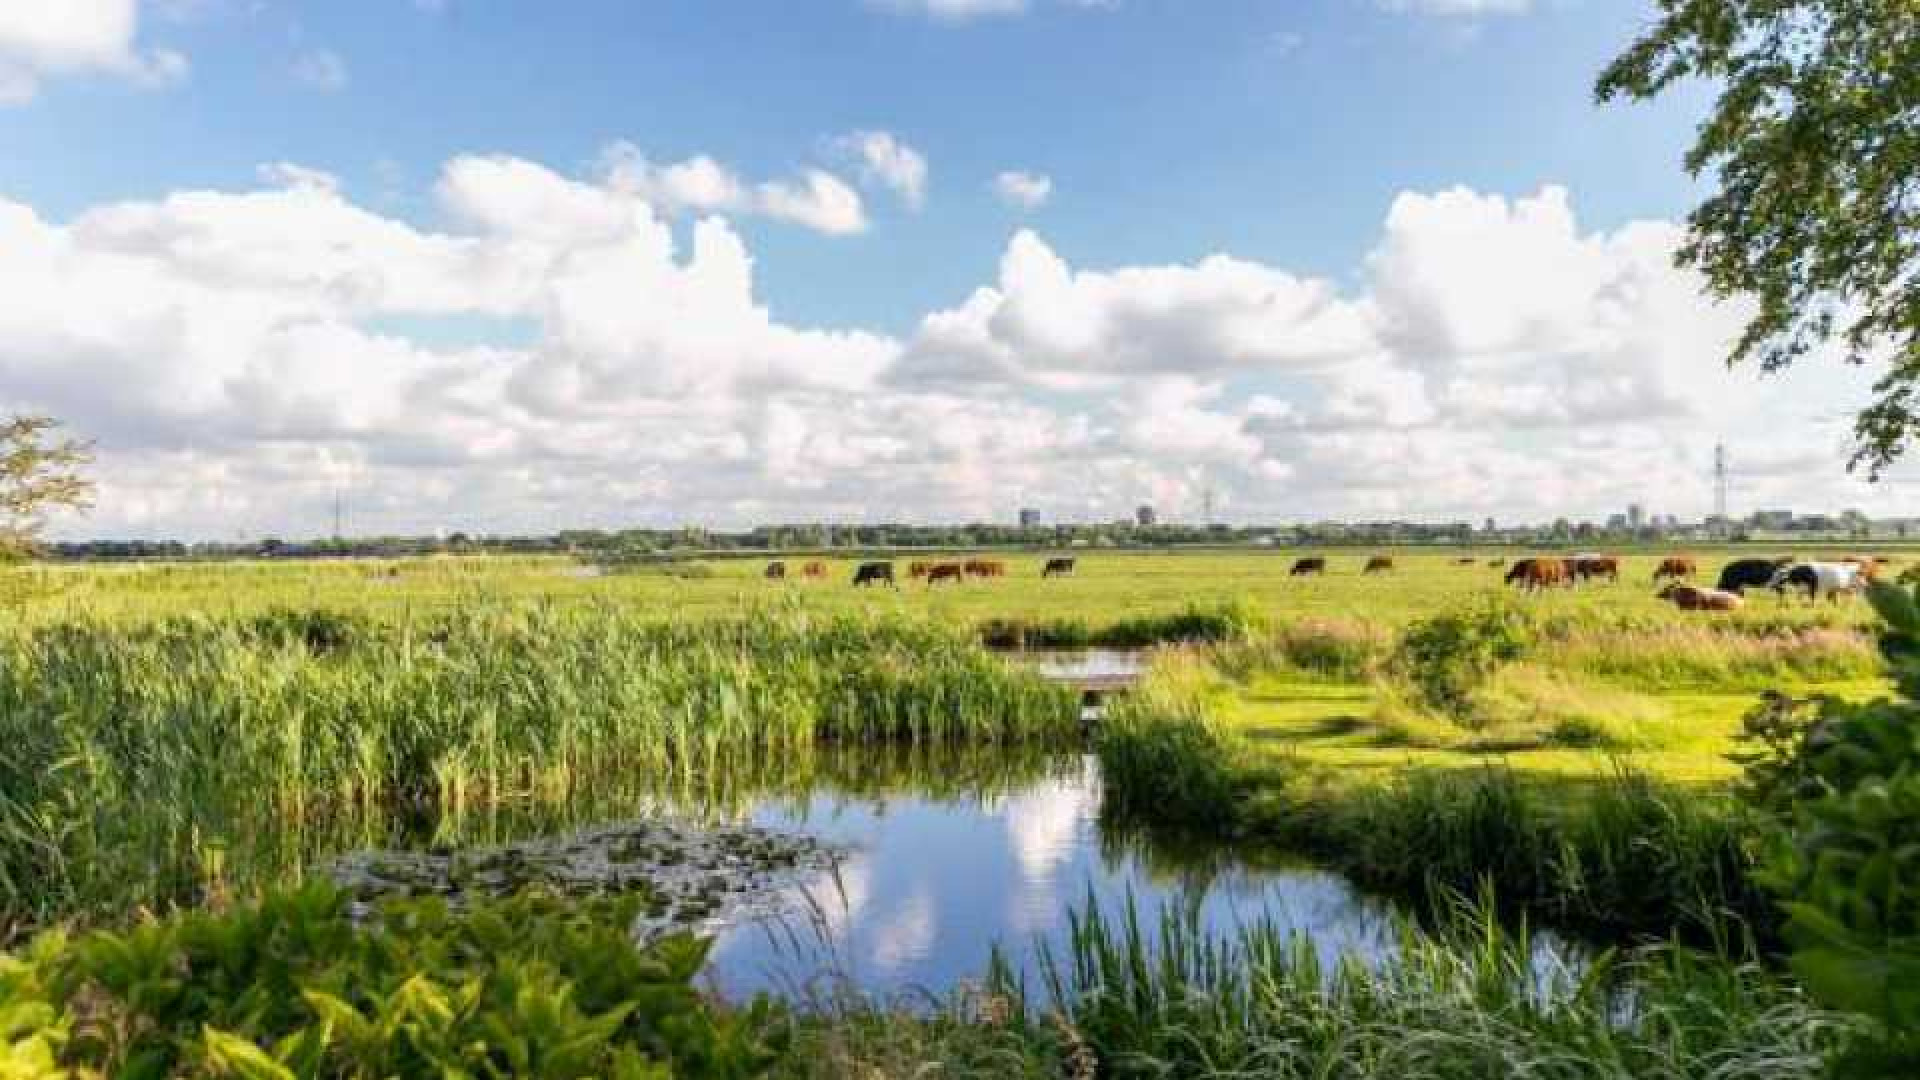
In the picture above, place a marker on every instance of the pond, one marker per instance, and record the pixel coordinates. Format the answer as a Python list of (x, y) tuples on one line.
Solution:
[(896, 874), (926, 886)]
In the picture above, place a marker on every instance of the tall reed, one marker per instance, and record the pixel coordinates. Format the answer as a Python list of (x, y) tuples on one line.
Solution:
[(143, 760), (1156, 995)]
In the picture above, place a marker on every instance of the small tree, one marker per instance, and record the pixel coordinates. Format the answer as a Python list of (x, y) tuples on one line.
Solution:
[(38, 472)]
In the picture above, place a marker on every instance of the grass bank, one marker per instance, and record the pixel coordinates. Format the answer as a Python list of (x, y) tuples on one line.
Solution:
[(1590, 816)]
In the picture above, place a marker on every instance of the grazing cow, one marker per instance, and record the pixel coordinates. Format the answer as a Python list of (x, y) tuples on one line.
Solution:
[(1313, 564), (1831, 580), (1677, 567), (952, 571), (1588, 567), (1535, 574), (985, 568), (1058, 568), (814, 571), (1496, 563), (776, 571), (1379, 564), (1871, 566), (1465, 560), (1742, 574), (1694, 598), (873, 573)]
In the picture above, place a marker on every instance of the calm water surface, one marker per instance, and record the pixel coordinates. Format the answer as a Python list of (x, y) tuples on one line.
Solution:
[(928, 885)]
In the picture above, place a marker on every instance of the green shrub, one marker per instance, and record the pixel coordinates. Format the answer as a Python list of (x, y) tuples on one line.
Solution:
[(533, 986), (1846, 863), (1445, 658)]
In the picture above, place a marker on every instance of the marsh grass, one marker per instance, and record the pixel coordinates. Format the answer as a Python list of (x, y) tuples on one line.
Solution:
[(1155, 995), (1339, 649), (145, 762), (1225, 622), (1751, 654), (1526, 707)]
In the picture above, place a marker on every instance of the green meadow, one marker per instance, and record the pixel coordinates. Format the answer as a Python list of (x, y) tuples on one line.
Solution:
[(187, 739)]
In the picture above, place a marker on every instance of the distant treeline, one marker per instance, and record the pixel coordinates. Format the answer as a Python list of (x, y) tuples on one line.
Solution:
[(826, 538)]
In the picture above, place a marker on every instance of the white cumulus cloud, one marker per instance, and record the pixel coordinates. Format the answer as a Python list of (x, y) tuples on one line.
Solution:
[(556, 350), (887, 161), (1023, 190), (42, 39)]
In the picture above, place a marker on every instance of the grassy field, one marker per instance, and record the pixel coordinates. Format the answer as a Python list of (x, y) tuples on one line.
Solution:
[(191, 734), (1106, 587)]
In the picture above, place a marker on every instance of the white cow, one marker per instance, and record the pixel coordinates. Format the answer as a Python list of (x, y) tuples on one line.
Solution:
[(1831, 580)]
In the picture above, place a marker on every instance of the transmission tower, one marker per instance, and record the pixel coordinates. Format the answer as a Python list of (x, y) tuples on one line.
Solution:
[(1720, 483)]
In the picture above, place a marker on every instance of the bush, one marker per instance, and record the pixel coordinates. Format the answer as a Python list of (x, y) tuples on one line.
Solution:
[(531, 986), (1843, 781), (1444, 659)]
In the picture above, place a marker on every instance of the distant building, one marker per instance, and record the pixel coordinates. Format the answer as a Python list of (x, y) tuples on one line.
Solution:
[(1029, 518), (1636, 515), (1773, 519), (1145, 517), (1492, 526), (1616, 522)]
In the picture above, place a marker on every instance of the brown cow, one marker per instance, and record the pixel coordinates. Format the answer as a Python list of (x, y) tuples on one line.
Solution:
[(1694, 598), (1587, 567), (1313, 564), (1677, 567), (1496, 563), (814, 571), (1536, 574), (1379, 564), (985, 568), (952, 571), (918, 570), (1871, 566), (1465, 560), (776, 571)]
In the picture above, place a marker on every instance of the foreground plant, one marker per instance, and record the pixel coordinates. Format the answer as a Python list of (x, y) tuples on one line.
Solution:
[(1138, 996), (1844, 781), (291, 987)]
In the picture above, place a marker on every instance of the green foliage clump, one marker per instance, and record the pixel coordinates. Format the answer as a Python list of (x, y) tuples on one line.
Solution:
[(1443, 659), (531, 986), (1162, 759), (1844, 782)]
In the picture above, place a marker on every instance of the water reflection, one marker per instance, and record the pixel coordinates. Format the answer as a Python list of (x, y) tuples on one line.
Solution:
[(931, 884)]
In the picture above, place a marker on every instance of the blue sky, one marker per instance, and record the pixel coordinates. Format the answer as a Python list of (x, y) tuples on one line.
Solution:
[(1312, 143), (1276, 129)]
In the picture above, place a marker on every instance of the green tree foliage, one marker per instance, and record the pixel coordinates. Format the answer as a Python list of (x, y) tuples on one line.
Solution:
[(37, 473), (1814, 144)]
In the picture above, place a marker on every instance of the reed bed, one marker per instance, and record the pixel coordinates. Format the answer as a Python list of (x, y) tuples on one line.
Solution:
[(143, 761)]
